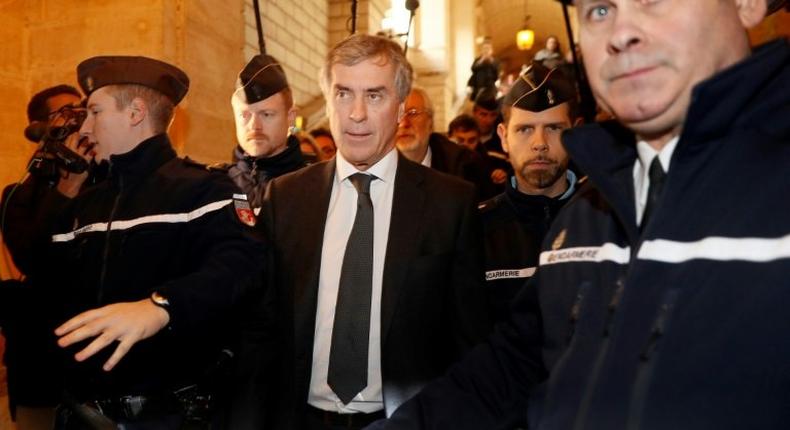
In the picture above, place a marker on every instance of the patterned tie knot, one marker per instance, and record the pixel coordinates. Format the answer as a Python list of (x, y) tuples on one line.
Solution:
[(361, 182)]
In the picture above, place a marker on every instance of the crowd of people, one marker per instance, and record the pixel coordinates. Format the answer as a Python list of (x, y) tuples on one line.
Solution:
[(521, 270)]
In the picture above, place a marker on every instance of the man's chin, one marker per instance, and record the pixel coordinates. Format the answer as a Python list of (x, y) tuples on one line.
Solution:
[(407, 144), (257, 148), (650, 118)]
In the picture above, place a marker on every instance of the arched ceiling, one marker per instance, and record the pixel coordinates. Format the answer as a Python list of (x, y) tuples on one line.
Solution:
[(502, 19)]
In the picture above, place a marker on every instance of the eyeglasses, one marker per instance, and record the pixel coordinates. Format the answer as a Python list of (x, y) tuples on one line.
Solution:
[(414, 113)]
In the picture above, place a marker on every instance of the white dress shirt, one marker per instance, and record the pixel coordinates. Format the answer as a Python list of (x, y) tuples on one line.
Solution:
[(428, 159), (641, 170), (339, 221)]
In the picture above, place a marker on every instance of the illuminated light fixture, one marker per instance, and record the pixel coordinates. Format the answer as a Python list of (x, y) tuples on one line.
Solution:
[(525, 39)]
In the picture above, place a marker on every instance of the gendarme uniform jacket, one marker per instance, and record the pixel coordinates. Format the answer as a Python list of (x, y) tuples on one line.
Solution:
[(514, 225), (252, 174), (158, 223), (682, 326)]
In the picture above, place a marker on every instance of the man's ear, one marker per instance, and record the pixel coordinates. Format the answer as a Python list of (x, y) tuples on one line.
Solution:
[(751, 12), (501, 130), (292, 115), (578, 121), (138, 110), (401, 111)]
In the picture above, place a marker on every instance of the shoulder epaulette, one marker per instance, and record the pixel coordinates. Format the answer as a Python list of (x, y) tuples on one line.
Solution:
[(490, 204), (192, 163), (218, 167)]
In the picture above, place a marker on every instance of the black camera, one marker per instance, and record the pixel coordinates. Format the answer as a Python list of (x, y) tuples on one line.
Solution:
[(53, 153)]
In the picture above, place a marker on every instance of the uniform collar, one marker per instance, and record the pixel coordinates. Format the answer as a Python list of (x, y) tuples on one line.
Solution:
[(144, 159), (287, 161)]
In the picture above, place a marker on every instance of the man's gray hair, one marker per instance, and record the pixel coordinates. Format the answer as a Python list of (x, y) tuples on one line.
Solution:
[(425, 98), (360, 47)]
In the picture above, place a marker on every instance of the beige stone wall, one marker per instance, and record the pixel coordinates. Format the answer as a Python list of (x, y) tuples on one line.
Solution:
[(48, 39), (433, 58), (369, 16), (14, 90)]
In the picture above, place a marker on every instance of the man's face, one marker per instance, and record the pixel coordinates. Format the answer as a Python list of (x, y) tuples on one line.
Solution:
[(107, 128), (532, 140), (551, 44), (486, 119), (487, 50), (56, 102), (415, 128), (326, 147), (467, 138), (644, 56), (364, 110), (262, 127)]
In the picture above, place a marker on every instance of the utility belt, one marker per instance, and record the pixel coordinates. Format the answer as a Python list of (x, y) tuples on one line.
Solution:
[(189, 403)]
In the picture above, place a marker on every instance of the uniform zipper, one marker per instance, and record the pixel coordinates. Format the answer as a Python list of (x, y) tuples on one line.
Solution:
[(106, 252), (603, 350), (647, 359), (546, 216), (573, 319)]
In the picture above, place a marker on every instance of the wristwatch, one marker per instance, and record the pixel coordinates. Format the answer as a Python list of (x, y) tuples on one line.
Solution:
[(160, 300)]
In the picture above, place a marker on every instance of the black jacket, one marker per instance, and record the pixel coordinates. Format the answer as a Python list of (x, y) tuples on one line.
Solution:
[(159, 223), (432, 303), (514, 225), (682, 326), (252, 174), (26, 316), (456, 160)]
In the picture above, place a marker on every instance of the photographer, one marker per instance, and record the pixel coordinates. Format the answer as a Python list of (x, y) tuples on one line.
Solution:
[(30, 356)]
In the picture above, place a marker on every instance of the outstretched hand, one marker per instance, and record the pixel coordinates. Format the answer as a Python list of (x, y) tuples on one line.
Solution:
[(127, 323)]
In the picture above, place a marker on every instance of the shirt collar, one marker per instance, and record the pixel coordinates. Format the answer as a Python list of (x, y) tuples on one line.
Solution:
[(647, 153), (569, 176), (384, 169), (428, 159)]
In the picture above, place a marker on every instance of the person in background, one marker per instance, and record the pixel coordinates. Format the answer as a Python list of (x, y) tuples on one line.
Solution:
[(417, 141), (539, 107), (485, 71), (308, 147), (326, 143), (464, 131), (30, 357), (487, 112), (263, 111), (551, 56)]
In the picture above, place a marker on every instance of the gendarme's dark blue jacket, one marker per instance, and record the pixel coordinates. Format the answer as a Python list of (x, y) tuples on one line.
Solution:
[(684, 326)]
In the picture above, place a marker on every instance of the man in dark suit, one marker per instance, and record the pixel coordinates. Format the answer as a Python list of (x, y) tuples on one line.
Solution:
[(380, 283), (417, 141)]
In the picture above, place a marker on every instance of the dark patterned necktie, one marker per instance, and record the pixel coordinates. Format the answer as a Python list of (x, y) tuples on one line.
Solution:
[(348, 355), (657, 178)]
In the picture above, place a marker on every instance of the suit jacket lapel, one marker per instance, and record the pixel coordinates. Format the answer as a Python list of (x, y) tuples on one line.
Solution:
[(402, 245), (315, 203)]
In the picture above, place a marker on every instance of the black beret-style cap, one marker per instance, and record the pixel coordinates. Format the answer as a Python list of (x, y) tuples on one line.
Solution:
[(540, 88), (261, 78), (97, 72)]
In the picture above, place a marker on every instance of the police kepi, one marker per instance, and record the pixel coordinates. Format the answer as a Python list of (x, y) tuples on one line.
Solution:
[(97, 72)]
